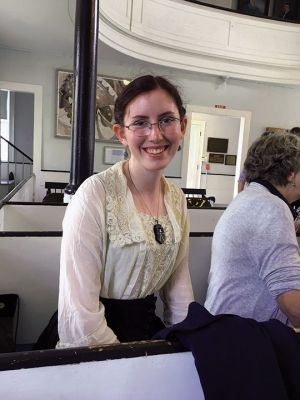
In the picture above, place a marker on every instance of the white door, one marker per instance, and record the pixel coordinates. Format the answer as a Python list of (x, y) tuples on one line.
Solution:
[(195, 153)]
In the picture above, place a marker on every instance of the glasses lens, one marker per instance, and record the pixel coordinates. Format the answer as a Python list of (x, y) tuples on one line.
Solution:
[(168, 123), (140, 128)]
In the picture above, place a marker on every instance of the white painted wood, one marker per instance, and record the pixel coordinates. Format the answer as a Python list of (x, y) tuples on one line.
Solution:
[(205, 219), (199, 264), (165, 376), (197, 134), (26, 193), (193, 37), (29, 266), (1, 218), (118, 11), (32, 218)]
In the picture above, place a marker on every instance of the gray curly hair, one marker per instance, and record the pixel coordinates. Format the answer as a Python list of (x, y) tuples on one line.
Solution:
[(273, 158)]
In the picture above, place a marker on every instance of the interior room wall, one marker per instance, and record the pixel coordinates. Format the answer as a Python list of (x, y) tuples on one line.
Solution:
[(271, 105), (219, 181), (220, 127)]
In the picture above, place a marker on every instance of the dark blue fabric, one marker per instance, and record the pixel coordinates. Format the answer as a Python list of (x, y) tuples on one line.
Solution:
[(239, 358)]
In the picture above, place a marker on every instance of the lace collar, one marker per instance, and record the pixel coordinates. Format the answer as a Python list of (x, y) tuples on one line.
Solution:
[(123, 222)]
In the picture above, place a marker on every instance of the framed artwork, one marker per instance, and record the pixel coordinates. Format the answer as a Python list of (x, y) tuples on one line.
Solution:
[(113, 154), (107, 91), (216, 158), (254, 7), (230, 159)]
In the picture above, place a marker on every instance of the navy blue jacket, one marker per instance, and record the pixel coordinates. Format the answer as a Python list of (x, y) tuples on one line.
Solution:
[(239, 358)]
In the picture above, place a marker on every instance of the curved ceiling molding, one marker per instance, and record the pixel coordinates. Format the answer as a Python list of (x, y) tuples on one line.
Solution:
[(188, 36)]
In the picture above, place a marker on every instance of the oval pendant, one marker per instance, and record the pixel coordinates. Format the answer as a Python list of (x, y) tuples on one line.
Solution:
[(159, 233)]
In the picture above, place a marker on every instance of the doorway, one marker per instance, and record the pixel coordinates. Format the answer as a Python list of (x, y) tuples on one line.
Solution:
[(218, 178), (35, 94)]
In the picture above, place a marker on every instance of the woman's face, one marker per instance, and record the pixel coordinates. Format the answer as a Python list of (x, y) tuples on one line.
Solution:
[(155, 150)]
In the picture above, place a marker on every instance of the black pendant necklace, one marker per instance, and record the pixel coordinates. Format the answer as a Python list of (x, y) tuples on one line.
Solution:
[(158, 230), (159, 233)]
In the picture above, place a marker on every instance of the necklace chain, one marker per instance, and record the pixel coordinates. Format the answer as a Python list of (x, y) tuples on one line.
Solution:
[(142, 198), (158, 230)]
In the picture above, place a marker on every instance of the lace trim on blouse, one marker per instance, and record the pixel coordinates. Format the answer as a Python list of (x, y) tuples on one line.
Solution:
[(159, 260), (123, 223)]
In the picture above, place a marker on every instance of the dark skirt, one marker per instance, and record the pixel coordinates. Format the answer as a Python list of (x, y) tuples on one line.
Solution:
[(131, 320)]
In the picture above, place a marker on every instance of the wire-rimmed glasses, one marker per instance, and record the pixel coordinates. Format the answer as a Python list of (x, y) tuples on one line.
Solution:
[(142, 127)]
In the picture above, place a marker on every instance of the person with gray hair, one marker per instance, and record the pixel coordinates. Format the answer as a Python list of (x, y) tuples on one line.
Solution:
[(255, 265)]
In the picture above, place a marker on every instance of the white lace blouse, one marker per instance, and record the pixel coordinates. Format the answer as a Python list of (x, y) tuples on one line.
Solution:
[(108, 249)]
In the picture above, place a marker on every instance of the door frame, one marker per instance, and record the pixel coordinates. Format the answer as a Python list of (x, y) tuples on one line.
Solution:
[(243, 141)]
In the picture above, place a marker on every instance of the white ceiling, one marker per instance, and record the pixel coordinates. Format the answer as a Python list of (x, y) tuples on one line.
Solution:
[(37, 25), (43, 26)]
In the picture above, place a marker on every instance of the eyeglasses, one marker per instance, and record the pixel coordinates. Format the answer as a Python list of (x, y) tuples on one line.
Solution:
[(143, 128)]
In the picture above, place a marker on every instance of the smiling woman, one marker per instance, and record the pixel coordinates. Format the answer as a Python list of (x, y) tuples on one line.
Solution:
[(126, 231)]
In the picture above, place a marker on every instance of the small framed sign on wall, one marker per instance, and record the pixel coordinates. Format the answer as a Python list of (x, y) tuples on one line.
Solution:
[(113, 154), (216, 158), (230, 159)]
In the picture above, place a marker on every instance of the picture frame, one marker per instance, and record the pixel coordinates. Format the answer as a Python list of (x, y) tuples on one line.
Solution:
[(230, 159), (216, 158), (107, 91), (113, 154), (257, 8)]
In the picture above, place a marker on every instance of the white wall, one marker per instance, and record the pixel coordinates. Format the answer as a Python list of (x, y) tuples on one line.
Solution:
[(270, 105), (165, 376), (220, 127)]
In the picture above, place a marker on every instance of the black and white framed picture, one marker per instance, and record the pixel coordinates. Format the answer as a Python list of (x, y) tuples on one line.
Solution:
[(107, 91)]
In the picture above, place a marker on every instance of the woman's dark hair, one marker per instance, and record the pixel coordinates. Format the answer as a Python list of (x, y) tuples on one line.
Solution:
[(144, 84), (273, 158)]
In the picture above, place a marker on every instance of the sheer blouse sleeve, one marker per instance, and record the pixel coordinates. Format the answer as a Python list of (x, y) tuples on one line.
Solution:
[(177, 293), (81, 320)]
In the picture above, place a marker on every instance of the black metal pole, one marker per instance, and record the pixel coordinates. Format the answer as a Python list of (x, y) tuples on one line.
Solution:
[(84, 97)]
